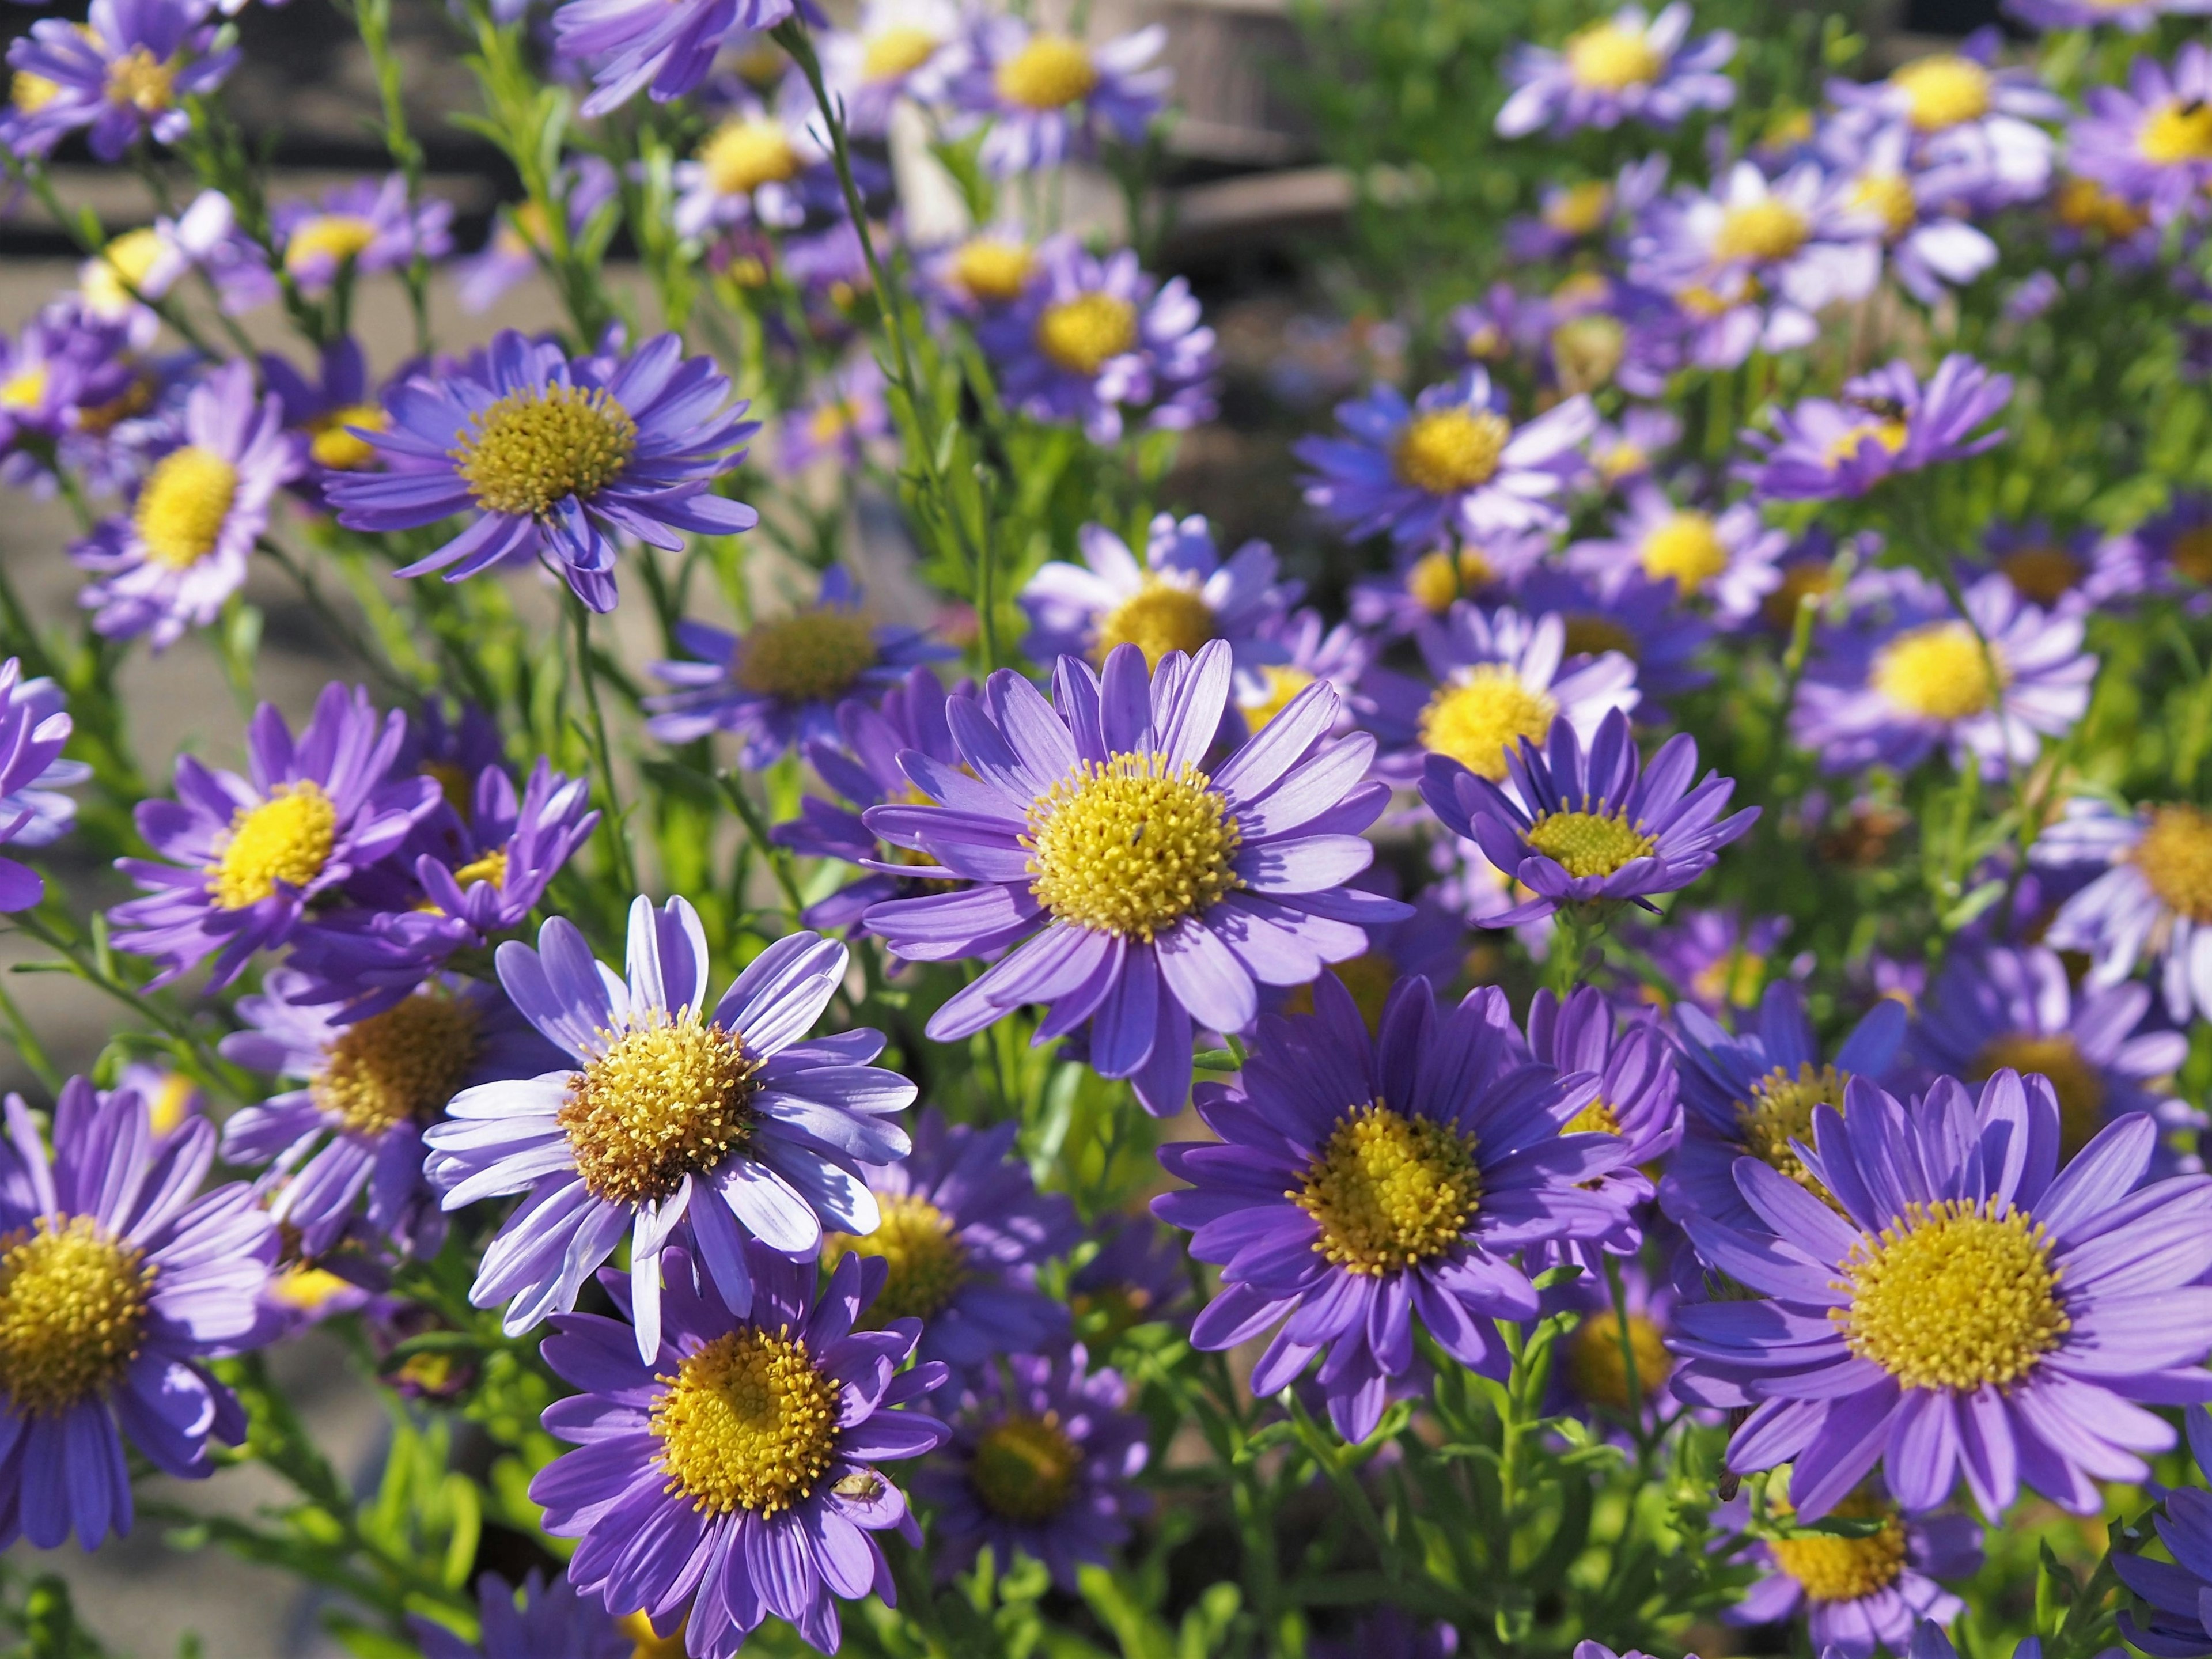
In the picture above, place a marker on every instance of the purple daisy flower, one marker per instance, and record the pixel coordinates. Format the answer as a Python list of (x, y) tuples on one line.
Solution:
[(1965, 112), (182, 550), (2177, 542), (1091, 340), (57, 364), (900, 49), (980, 273), (1182, 595), (2175, 1590), (2082, 572), (554, 456), (1961, 1305), (1752, 1092), (124, 72), (1886, 423), (247, 854), (534, 1620), (1640, 619), (1931, 247), (1139, 893), (1864, 1593), (363, 227), (1593, 1371), (731, 1122), (1308, 649), (1049, 98), (1444, 1102), (372, 1086), (1043, 1462), (1630, 66), (1139, 1275), (842, 415), (1578, 834), (119, 1279), (1715, 960), (674, 1503), (1727, 558), (655, 47), (2150, 143), (1450, 465), (754, 166), (35, 728), (2153, 898), (1430, 943), (323, 413), (1989, 691), (1426, 585), (964, 1230), (779, 685)]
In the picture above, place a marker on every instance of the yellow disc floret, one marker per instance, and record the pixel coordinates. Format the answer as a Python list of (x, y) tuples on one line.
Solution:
[(2059, 1060), (1943, 91), (992, 269), (1084, 334), (1606, 57), (2041, 572), (286, 840), (1050, 72), (899, 49), (1436, 578), (145, 82), (1449, 450), (1598, 1369), (184, 506), (2175, 857), (741, 155), (1955, 1294), (2176, 132), (1590, 843), (334, 446), (1580, 209), (927, 1261), (1889, 198), (1283, 684), (398, 1066), (535, 447), (1780, 1111), (1160, 616), (665, 1099), (1939, 670), (1131, 845), (1389, 1192), (1686, 547), (1836, 1568), (811, 656), (336, 237), (1890, 436), (1479, 719), (26, 388), (749, 1422), (73, 1303), (1768, 228), (1025, 1467)]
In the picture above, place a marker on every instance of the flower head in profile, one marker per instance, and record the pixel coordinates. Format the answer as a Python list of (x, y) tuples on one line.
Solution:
[(533, 1619), (554, 458), (779, 683), (1958, 1296), (1630, 66), (1450, 464), (963, 1233), (119, 1281), (1363, 1181), (733, 1469), (1043, 1462), (2150, 895), (181, 552), (1181, 595), (1726, 558), (1139, 1275), (657, 47), (1129, 888), (35, 728), (1049, 98), (1862, 1593), (123, 73), (730, 1121), (1888, 422), (245, 855), (2149, 143)]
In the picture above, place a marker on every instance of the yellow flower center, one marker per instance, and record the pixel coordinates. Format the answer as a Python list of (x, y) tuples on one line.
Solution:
[(1449, 450), (928, 1264), (1734, 980), (1943, 91), (638, 1628), (336, 237), (2175, 857), (2084, 204), (1939, 670), (667, 1099), (749, 1422), (1889, 198), (73, 1304), (491, 867), (2044, 574), (1084, 334), (1845, 446), (1586, 351), (1688, 547), (286, 840), (307, 1288), (1160, 616), (1438, 578), (1589, 843), (899, 49), (145, 82), (1580, 209), (1479, 719), (1050, 72), (30, 93), (1129, 846), (1598, 1370), (1800, 583), (2176, 132), (398, 1066), (2191, 554), (110, 281), (26, 388), (1588, 635), (183, 507), (742, 155), (1769, 228), (535, 447), (2078, 1084), (1833, 1569), (1389, 1192), (1608, 57), (166, 1104), (1954, 1295), (341, 451), (992, 270), (1282, 684), (1780, 1111), (810, 656), (1598, 1118), (1025, 1467)]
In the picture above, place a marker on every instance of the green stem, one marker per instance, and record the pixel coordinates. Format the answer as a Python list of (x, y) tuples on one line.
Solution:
[(610, 824)]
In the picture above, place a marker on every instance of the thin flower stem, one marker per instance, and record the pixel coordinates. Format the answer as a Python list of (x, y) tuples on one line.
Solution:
[(610, 821)]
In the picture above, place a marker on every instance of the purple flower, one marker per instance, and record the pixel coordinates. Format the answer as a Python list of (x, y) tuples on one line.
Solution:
[(901, 49), (1727, 558), (1961, 1305), (1450, 464), (964, 1230), (2150, 143), (779, 683), (1324, 1120), (656, 45), (1307, 651), (1714, 959), (1868, 1592), (2153, 898), (2131, 16), (551, 1621), (2177, 542), (363, 227), (1043, 1462), (1626, 67), (754, 167), (245, 855), (119, 1279), (2082, 572), (1593, 1369), (1576, 832), (1965, 113), (58, 363), (1138, 892), (1931, 247), (1887, 424), (1425, 586), (676, 1499), (372, 1086), (1048, 98), (35, 728), (729, 1122), (182, 550), (323, 413), (1989, 685), (1640, 619), (843, 414), (985, 270), (554, 456), (1091, 340), (1139, 1275), (2175, 1590), (1623, 453), (1182, 595), (124, 73)]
